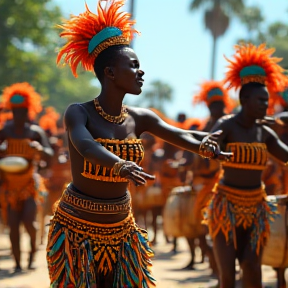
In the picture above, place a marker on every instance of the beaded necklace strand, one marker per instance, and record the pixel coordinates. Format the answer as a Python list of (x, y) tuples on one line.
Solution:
[(113, 119)]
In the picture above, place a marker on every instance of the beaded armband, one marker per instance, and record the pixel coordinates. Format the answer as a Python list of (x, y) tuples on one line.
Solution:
[(117, 167), (203, 152)]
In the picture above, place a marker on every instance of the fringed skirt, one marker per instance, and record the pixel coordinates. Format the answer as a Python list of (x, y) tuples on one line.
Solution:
[(82, 254), (16, 188), (230, 208)]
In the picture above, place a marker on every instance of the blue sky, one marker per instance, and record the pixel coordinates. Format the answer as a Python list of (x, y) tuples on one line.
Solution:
[(175, 47)]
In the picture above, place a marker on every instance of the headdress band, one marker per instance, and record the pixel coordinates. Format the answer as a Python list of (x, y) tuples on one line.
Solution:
[(88, 34), (117, 40), (214, 92), (284, 95), (103, 35), (17, 99), (252, 73), (22, 95)]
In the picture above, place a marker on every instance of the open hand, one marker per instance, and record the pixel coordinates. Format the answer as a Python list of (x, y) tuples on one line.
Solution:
[(209, 147), (36, 145), (134, 173)]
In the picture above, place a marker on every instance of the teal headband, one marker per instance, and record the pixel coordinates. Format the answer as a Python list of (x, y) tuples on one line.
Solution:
[(215, 92), (252, 71), (284, 95), (103, 35), (17, 99)]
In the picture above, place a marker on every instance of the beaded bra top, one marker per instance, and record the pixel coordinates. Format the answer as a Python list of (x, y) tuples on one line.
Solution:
[(247, 155), (20, 148), (128, 149)]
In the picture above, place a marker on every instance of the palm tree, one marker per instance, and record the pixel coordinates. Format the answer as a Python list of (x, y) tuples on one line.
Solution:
[(252, 18), (217, 19), (157, 95), (132, 12)]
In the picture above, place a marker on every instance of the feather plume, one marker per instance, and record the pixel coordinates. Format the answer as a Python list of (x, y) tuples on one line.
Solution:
[(32, 100), (208, 86), (79, 30), (248, 55)]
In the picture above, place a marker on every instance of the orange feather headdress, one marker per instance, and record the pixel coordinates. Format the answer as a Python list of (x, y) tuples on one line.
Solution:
[(213, 91), (89, 34), (280, 97), (254, 64), (49, 120), (22, 95)]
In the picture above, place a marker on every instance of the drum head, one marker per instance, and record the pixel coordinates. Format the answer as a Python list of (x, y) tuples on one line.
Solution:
[(13, 164)]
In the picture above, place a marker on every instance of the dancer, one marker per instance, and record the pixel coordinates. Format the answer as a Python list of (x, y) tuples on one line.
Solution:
[(21, 191), (93, 239), (238, 215)]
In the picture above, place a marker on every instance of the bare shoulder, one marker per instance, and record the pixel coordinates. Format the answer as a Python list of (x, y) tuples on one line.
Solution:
[(144, 118), (37, 129), (76, 113), (142, 115), (5, 131), (224, 122), (268, 132), (227, 118), (78, 108), (139, 112)]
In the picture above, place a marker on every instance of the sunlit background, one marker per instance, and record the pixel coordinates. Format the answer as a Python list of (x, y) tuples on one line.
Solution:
[(182, 43), (175, 47)]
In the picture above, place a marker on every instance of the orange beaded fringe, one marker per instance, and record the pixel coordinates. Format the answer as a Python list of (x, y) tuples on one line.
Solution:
[(78, 251), (230, 208)]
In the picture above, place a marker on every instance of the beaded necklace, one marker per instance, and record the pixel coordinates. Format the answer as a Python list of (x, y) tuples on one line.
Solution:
[(113, 119)]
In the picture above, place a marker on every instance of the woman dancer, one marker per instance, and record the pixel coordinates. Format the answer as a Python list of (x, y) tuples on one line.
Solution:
[(238, 215), (93, 239)]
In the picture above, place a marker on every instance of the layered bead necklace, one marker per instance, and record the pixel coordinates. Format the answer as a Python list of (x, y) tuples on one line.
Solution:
[(113, 119)]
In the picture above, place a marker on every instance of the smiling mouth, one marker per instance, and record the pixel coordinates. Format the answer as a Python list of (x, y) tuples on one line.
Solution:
[(140, 82)]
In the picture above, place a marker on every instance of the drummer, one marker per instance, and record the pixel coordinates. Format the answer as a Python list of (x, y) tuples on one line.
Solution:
[(20, 191)]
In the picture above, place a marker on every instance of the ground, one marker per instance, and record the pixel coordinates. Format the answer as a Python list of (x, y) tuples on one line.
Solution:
[(167, 267)]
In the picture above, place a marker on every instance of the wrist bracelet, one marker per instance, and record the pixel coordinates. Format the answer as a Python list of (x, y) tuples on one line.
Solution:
[(204, 153), (117, 167)]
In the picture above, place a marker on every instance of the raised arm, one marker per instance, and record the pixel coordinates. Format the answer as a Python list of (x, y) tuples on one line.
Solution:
[(275, 146), (94, 152), (44, 148)]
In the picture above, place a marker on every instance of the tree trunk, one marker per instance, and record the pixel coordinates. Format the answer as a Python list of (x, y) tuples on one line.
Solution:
[(213, 57), (132, 6)]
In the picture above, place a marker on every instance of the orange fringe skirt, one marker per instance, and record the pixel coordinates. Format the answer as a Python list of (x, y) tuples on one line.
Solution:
[(230, 208), (81, 252), (18, 187)]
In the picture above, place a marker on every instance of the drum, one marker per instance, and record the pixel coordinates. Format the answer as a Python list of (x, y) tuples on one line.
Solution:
[(154, 197), (275, 252), (179, 217), (13, 164)]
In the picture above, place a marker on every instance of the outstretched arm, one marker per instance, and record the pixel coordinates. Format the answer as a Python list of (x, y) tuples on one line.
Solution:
[(148, 121), (275, 146)]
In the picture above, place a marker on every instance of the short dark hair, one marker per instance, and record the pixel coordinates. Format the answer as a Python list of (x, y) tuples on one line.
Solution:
[(106, 58), (246, 89)]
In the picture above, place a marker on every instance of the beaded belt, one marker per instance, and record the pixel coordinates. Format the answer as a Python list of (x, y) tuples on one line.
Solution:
[(88, 204)]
